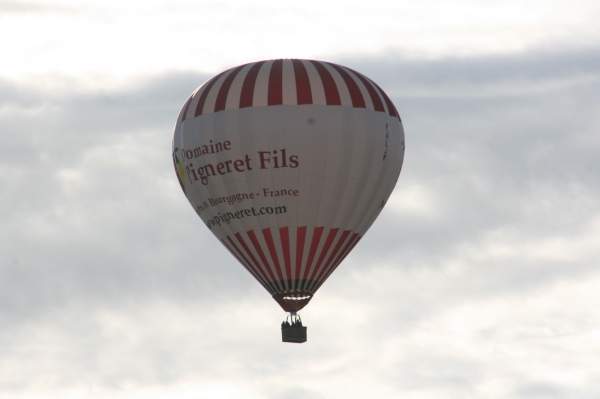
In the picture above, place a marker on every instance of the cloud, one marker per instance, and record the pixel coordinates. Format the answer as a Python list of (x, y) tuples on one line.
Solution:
[(478, 280), (517, 72), (26, 7)]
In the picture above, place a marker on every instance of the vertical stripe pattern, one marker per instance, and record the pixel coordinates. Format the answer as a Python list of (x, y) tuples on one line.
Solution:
[(216, 92), (327, 252)]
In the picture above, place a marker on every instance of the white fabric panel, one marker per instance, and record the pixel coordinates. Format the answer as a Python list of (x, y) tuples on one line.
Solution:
[(377, 174), (247, 147), (341, 213), (319, 162), (265, 250), (209, 103), (196, 97), (289, 83), (363, 90), (364, 157), (331, 123), (316, 85), (315, 261), (267, 126), (226, 128), (291, 145), (306, 135), (235, 91), (382, 97), (345, 98), (216, 185), (279, 250), (307, 243), (314, 200), (293, 233), (334, 124), (261, 88)]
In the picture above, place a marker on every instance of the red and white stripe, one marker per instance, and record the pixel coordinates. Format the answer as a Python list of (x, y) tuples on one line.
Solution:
[(286, 82), (305, 262)]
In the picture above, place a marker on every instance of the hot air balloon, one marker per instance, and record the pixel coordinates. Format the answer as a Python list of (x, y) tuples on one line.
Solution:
[(288, 162)]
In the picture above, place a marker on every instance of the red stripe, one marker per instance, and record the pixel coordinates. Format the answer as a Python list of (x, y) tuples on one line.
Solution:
[(377, 104), (261, 254), (303, 91), (334, 253), (244, 263), (271, 245), (326, 246), (247, 94), (285, 245), (391, 108), (185, 109), (354, 241), (224, 90), (276, 83), (301, 235), (345, 250), (251, 256), (332, 96), (204, 94), (357, 98), (313, 249)]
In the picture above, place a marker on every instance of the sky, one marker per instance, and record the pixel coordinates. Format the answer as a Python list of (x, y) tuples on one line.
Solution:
[(480, 279)]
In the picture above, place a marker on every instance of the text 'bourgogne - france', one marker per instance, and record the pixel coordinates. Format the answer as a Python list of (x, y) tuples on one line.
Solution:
[(266, 160)]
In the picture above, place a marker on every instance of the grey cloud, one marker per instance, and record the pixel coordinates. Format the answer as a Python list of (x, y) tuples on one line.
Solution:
[(545, 63), (549, 389), (541, 390)]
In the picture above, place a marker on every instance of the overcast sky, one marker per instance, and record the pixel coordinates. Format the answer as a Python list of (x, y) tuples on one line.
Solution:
[(481, 278)]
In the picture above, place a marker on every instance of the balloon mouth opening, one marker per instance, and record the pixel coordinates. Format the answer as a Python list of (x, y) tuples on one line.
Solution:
[(296, 298), (292, 301)]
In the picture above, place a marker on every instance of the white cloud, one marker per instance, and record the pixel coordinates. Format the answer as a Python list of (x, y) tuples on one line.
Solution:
[(124, 38)]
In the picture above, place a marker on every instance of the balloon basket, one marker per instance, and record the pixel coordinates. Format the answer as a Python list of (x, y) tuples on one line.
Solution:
[(293, 331)]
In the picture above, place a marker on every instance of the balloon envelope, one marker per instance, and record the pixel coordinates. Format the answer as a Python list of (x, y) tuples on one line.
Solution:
[(288, 162)]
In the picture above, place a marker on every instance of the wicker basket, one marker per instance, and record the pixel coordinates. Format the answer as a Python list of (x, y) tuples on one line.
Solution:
[(295, 334)]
